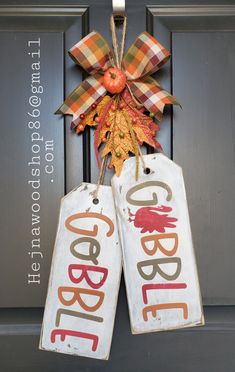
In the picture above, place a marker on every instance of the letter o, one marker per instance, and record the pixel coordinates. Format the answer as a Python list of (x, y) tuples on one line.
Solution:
[(34, 197), (35, 207), (49, 157), (35, 148)]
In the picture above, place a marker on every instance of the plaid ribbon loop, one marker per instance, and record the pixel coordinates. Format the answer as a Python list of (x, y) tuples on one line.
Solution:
[(92, 53), (144, 57)]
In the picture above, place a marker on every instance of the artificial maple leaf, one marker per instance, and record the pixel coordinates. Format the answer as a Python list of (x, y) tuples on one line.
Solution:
[(144, 127), (102, 123), (105, 129), (90, 116), (120, 141)]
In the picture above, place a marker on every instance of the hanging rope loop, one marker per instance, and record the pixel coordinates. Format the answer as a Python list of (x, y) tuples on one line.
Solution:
[(118, 61), (118, 56)]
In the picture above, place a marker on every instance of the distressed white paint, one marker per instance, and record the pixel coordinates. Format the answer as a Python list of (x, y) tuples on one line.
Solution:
[(163, 170), (80, 200)]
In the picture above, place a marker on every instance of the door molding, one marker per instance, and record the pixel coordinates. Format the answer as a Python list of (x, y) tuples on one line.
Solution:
[(182, 18), (205, 10), (29, 18), (30, 11)]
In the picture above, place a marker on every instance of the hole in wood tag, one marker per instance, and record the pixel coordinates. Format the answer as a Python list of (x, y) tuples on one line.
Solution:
[(147, 170), (95, 201)]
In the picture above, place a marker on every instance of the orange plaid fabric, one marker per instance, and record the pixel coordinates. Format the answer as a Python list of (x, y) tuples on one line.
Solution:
[(92, 53), (81, 99), (144, 57), (152, 96)]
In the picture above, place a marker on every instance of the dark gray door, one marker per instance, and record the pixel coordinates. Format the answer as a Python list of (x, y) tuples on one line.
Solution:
[(41, 159)]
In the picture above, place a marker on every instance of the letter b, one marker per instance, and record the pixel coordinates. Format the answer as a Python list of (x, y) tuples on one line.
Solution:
[(157, 269)]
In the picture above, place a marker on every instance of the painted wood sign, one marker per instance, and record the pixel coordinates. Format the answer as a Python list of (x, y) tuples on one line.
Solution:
[(159, 263), (85, 276)]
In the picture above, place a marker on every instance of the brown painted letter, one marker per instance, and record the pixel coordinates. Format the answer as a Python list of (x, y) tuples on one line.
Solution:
[(76, 314), (157, 269), (152, 201), (94, 249)]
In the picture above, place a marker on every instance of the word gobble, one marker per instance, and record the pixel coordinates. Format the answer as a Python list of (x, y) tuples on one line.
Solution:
[(85, 277), (159, 263)]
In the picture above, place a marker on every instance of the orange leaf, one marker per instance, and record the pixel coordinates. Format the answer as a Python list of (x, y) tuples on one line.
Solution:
[(143, 126)]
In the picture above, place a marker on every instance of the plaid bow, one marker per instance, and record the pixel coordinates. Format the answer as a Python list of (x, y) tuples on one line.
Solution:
[(144, 57)]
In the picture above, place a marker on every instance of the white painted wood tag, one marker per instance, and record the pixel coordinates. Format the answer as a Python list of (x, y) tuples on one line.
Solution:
[(85, 276), (159, 263)]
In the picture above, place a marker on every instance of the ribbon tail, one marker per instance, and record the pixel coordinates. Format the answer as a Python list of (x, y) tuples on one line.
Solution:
[(81, 99), (152, 96)]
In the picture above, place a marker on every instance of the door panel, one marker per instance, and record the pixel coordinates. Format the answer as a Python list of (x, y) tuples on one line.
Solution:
[(202, 133), (203, 143), (203, 349), (31, 161), (32, 146), (187, 31)]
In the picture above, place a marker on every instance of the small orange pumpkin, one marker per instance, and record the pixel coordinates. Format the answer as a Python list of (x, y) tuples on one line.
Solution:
[(114, 80)]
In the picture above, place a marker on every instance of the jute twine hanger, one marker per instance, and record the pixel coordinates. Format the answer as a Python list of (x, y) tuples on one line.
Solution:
[(118, 57)]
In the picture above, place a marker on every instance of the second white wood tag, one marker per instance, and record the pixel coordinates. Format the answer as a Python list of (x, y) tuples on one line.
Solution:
[(159, 263)]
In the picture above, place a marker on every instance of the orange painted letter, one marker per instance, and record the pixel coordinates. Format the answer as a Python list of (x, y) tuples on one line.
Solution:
[(154, 308), (95, 227), (158, 239), (77, 297)]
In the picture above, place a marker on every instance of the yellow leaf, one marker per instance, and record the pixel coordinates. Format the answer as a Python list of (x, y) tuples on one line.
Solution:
[(90, 116), (120, 142)]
